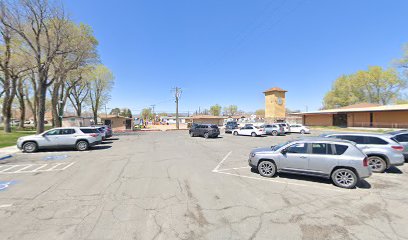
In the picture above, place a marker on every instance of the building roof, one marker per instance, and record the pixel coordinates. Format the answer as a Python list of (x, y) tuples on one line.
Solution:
[(103, 116), (275, 89), (207, 117), (361, 105), (399, 107)]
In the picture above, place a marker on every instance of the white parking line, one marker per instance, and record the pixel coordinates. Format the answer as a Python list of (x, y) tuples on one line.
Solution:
[(25, 168), (219, 164), (236, 168), (6, 205), (21, 169)]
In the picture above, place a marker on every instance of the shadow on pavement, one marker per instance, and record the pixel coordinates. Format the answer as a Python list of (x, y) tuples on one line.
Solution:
[(393, 170)]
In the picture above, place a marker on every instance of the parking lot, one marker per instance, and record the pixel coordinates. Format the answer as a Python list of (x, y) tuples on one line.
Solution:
[(168, 185)]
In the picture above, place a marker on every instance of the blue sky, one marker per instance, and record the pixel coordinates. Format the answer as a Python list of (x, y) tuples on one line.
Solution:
[(229, 51)]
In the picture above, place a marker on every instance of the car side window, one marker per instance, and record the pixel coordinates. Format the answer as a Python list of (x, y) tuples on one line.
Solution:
[(375, 140), (402, 138), (340, 149), (321, 148), (53, 132), (298, 148), (356, 139), (67, 131)]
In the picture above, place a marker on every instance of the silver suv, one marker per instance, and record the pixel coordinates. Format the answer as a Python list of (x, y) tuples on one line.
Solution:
[(337, 159), (69, 137), (402, 138), (382, 151)]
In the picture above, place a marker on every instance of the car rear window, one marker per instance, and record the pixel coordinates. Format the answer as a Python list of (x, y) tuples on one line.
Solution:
[(340, 149), (402, 138), (89, 130)]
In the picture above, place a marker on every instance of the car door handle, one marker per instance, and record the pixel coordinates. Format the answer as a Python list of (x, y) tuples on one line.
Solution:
[(303, 157)]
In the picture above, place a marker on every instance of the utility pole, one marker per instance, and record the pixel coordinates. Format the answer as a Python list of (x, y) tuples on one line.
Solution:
[(177, 94), (154, 115)]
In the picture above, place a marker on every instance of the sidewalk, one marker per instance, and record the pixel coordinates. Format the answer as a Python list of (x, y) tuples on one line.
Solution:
[(7, 152)]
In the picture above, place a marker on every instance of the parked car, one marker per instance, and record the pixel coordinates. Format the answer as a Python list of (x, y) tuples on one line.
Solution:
[(204, 130), (335, 159), (285, 126), (273, 129), (249, 131), (230, 126), (91, 130), (402, 138), (58, 138), (106, 129), (299, 128), (382, 151), (15, 122)]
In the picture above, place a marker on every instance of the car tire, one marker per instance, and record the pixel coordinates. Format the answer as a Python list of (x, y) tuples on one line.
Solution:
[(206, 135), (344, 178), (267, 169), (235, 133), (377, 164), (302, 131), (253, 134), (82, 145), (192, 134), (274, 133), (30, 147)]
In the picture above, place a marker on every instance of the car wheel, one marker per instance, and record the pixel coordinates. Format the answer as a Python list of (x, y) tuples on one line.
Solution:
[(82, 145), (267, 169), (206, 135), (192, 134), (235, 133), (30, 147), (344, 178), (377, 164), (253, 134), (274, 133), (302, 131)]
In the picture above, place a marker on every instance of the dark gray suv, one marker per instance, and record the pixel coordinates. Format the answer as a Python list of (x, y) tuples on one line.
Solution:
[(204, 130)]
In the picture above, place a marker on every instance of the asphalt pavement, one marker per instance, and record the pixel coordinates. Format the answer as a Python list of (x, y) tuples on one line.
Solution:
[(167, 185)]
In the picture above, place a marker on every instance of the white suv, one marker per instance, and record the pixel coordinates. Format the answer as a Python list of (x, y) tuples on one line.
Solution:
[(69, 137)]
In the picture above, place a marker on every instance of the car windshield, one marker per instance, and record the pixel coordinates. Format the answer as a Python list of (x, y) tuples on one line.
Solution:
[(276, 147)]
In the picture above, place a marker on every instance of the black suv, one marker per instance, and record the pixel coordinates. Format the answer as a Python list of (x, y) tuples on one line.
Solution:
[(230, 126), (204, 130)]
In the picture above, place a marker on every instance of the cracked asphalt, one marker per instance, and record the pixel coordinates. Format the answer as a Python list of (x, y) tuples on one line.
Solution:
[(161, 185)]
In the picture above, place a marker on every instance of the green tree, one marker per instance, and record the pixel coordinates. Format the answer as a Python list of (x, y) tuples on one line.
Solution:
[(215, 110), (374, 85), (146, 114), (231, 110), (115, 111), (100, 86)]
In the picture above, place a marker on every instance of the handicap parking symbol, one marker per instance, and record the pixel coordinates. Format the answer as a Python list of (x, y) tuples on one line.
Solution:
[(56, 157), (6, 184)]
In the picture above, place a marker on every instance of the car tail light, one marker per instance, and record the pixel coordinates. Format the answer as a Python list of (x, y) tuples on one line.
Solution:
[(365, 162), (94, 135), (398, 148)]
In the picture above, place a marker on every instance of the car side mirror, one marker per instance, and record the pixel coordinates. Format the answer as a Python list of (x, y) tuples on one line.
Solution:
[(284, 151)]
